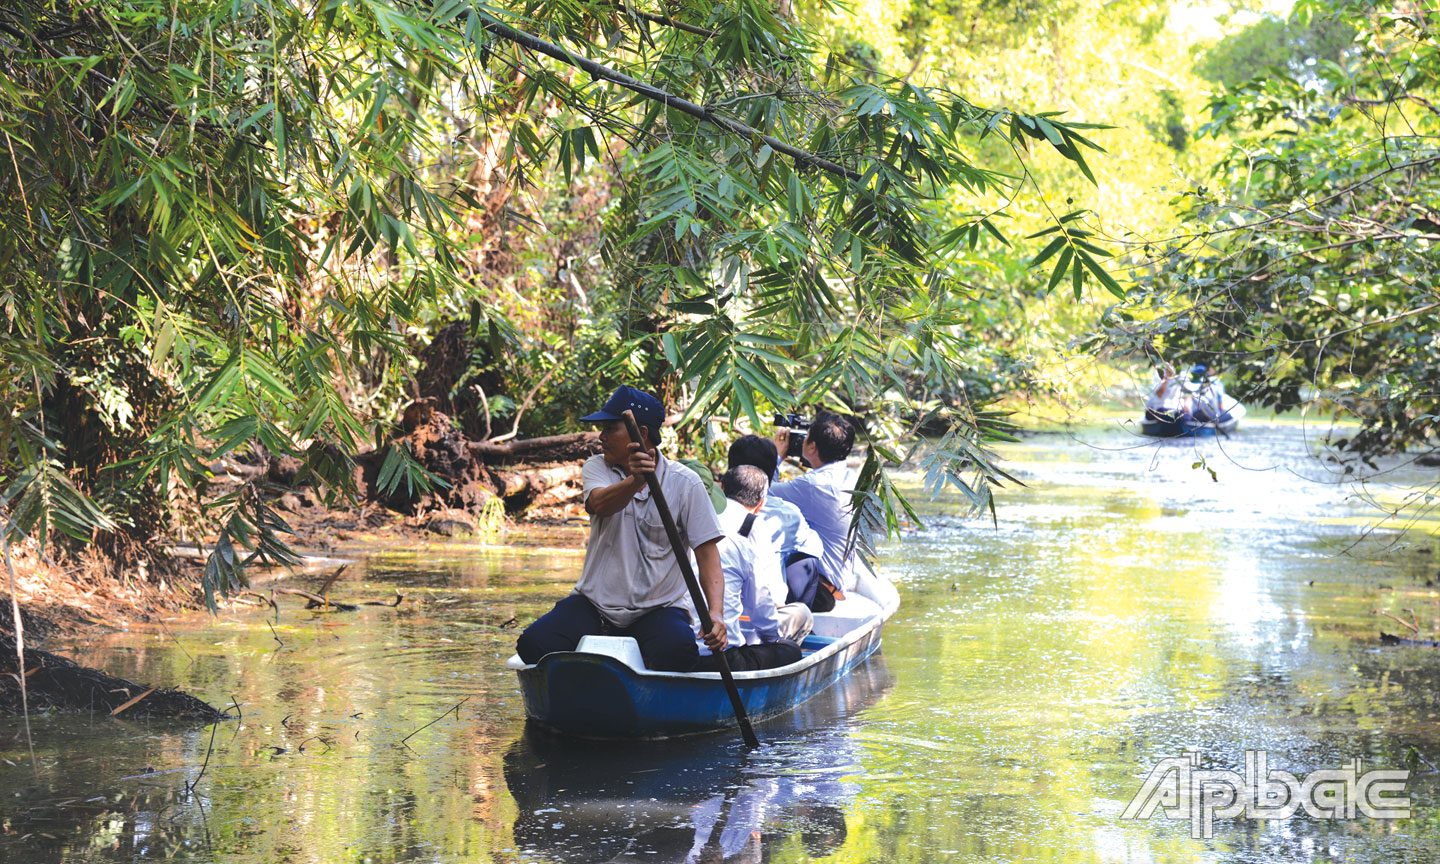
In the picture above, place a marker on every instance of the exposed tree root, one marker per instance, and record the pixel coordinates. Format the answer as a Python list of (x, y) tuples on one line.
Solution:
[(477, 472)]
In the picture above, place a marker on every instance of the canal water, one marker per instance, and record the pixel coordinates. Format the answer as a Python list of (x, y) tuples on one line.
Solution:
[(1127, 608)]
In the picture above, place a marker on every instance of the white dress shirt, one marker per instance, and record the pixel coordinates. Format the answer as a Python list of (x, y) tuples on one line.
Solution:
[(748, 582), (787, 530)]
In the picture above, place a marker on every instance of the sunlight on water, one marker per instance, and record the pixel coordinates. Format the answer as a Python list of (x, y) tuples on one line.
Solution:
[(1126, 607)]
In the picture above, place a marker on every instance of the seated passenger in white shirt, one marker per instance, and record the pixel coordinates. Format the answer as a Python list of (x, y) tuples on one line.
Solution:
[(751, 574), (800, 548), (778, 530), (1166, 401)]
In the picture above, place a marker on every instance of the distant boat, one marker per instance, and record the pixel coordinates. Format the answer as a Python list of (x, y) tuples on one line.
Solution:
[(1174, 427), (1192, 408), (603, 690)]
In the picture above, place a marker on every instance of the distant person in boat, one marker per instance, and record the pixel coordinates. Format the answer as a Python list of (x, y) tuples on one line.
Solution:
[(630, 584), (822, 494), (1196, 399), (1207, 393), (799, 547), (751, 576), (1169, 401)]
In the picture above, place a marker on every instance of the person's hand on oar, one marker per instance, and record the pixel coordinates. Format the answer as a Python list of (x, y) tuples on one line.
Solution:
[(716, 638), (642, 461)]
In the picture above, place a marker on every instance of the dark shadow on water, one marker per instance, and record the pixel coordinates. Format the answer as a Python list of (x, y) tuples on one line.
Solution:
[(694, 799)]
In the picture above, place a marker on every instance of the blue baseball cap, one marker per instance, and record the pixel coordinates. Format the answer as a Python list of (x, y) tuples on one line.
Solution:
[(647, 410)]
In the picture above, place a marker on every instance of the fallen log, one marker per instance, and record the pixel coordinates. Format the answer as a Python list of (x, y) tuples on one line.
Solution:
[(395, 604), (528, 486), (475, 473), (316, 601), (56, 683), (527, 447)]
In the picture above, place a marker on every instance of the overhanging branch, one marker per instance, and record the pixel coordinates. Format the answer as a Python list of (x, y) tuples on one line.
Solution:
[(649, 91), (667, 21)]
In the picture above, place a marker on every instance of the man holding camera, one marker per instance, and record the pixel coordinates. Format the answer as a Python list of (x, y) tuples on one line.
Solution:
[(822, 494)]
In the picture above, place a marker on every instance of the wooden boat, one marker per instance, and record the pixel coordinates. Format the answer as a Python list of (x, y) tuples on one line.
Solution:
[(1207, 411), (1155, 426), (603, 690)]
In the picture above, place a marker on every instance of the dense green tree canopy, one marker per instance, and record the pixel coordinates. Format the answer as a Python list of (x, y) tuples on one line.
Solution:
[(224, 221), (236, 226), (1281, 44), (1307, 267)]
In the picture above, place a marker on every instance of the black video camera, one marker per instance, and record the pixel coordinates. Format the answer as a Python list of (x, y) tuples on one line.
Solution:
[(798, 429)]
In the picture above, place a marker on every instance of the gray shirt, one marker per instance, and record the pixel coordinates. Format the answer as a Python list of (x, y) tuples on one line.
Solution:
[(630, 568)]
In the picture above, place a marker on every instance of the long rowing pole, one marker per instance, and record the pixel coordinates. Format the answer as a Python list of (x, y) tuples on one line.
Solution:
[(696, 595)]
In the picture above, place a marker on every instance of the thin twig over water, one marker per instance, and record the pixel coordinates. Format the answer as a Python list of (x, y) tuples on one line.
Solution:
[(1414, 628), (455, 709), (206, 763), (177, 642)]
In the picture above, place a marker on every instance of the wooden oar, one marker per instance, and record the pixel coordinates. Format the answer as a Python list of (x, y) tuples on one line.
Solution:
[(696, 595)]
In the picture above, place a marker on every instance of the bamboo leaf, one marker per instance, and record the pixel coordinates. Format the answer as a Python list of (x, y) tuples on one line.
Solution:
[(1060, 267), (1050, 249)]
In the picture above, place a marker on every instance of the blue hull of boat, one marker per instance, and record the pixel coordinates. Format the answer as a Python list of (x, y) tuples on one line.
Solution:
[(597, 696), (1176, 429)]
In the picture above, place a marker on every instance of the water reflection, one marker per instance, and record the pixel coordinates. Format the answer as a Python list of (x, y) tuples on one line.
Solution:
[(114, 801), (696, 800), (1125, 607)]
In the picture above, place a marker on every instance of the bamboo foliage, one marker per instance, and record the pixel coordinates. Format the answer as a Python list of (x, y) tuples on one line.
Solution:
[(221, 219)]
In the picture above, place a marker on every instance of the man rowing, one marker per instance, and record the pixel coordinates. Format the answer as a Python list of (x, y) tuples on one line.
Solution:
[(631, 583)]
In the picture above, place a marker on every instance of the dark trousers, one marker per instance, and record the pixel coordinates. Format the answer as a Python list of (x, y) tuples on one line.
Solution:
[(748, 658), (807, 584), (666, 640)]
